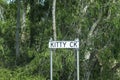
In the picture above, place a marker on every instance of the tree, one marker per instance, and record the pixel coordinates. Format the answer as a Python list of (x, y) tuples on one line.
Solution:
[(94, 22)]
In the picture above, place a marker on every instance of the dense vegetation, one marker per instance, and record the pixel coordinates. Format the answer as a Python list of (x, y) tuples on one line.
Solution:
[(26, 27)]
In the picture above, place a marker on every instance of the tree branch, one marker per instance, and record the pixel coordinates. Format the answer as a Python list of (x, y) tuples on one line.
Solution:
[(114, 68), (94, 26), (90, 34)]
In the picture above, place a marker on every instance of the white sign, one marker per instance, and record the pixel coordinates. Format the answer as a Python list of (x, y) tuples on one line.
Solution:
[(64, 44)]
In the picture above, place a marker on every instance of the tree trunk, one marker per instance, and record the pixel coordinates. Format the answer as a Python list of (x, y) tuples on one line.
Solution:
[(89, 44), (54, 21), (23, 26), (1, 13), (17, 28)]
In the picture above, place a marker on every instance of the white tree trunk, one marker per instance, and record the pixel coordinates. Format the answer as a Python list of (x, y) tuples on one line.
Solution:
[(23, 26), (89, 44), (54, 20), (1, 13)]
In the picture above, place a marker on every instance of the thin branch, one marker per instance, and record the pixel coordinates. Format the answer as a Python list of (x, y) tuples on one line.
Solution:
[(94, 26)]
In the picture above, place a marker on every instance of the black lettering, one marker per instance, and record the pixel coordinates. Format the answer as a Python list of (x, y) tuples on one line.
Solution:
[(52, 45), (60, 44), (57, 44), (71, 44), (75, 44), (64, 43)]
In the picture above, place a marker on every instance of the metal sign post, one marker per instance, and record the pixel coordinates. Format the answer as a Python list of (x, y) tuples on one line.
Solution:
[(77, 61), (51, 68), (63, 44), (77, 64)]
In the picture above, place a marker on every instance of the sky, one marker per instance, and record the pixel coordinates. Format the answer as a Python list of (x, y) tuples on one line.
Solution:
[(8, 1)]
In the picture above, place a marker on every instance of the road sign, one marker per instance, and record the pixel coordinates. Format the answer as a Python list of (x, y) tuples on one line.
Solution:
[(64, 44)]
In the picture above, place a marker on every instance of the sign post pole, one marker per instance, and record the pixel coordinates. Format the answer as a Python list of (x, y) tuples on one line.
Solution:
[(77, 61), (51, 67), (77, 64)]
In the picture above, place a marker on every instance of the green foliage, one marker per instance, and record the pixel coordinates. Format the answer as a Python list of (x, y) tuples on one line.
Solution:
[(13, 75)]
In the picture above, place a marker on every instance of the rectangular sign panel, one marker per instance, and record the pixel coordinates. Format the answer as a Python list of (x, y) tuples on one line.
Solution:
[(64, 44)]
